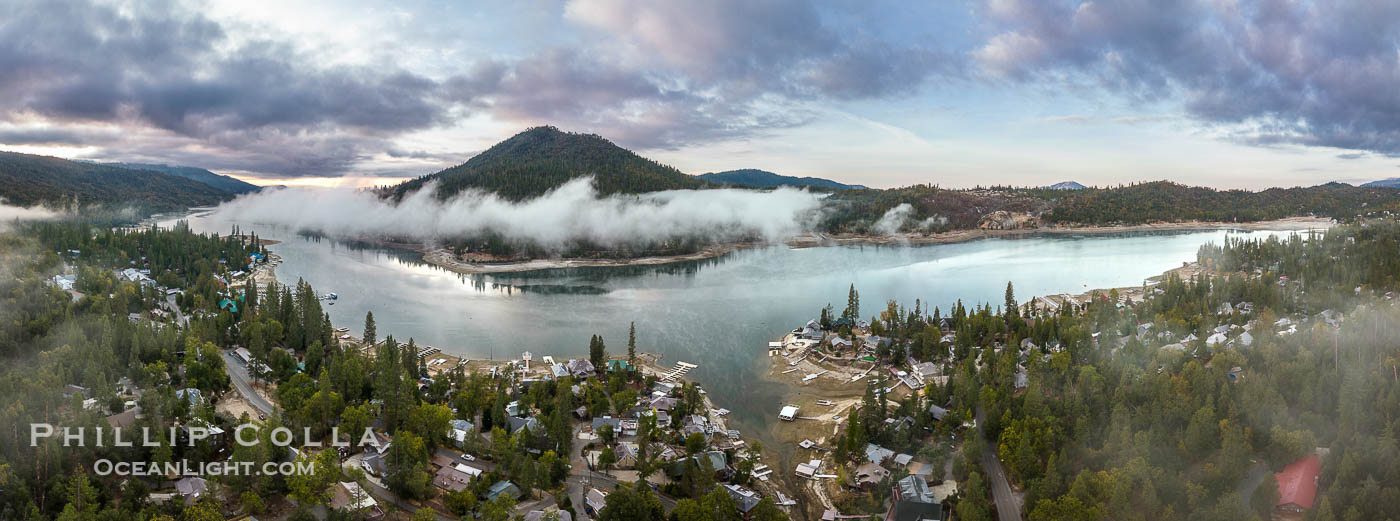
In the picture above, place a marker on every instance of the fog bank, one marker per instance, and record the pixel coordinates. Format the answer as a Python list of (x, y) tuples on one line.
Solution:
[(572, 213), (10, 214)]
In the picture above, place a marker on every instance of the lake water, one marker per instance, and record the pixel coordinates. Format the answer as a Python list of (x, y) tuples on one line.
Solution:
[(719, 313)]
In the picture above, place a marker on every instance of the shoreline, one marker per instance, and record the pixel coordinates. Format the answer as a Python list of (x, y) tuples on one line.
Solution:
[(444, 259)]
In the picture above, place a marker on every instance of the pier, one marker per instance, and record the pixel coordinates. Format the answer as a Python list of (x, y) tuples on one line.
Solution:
[(678, 372)]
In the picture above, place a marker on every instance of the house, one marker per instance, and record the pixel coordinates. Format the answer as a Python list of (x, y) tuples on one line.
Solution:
[(502, 487), (453, 479), (593, 501), (559, 369), (1215, 339), (663, 403), (912, 500), (460, 430), (243, 354), (193, 395), (1297, 485), (937, 412), (347, 496), (125, 420), (531, 424), (1246, 339), (877, 454), (744, 498), (925, 371), (65, 282), (717, 460), (626, 454), (373, 464), (191, 488), (581, 368), (839, 343), (789, 413), (809, 469), (869, 475), (538, 515)]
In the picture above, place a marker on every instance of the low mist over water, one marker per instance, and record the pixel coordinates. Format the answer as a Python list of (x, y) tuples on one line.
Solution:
[(573, 212)]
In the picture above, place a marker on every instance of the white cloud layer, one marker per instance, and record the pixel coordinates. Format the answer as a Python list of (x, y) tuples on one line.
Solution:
[(572, 213)]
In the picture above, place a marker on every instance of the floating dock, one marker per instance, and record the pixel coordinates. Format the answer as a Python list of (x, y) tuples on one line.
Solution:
[(678, 372)]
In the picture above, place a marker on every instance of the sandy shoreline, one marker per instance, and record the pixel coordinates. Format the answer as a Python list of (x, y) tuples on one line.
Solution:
[(445, 259)]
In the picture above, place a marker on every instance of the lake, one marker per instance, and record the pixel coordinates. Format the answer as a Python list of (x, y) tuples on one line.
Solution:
[(719, 313)]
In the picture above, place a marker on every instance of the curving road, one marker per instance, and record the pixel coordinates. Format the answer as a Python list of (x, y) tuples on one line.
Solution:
[(1008, 505), (238, 374)]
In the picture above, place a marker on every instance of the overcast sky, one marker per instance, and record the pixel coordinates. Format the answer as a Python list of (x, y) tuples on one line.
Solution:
[(1225, 93)]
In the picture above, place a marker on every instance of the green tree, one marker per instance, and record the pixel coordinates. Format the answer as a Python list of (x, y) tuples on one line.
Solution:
[(852, 310), (370, 332), (597, 353), (632, 345), (630, 502)]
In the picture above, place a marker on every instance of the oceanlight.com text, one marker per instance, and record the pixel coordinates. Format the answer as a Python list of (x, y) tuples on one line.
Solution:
[(106, 467)]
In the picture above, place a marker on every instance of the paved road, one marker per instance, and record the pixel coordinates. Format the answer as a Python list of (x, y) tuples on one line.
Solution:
[(1008, 505), (238, 373), (172, 307), (382, 494), (602, 481)]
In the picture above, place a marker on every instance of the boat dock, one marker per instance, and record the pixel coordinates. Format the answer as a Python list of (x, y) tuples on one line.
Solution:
[(678, 372)]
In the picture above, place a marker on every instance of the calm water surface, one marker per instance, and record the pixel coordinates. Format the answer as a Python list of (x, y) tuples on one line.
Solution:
[(720, 313)]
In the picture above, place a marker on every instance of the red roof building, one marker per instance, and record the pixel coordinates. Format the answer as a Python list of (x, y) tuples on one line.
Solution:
[(1297, 484)]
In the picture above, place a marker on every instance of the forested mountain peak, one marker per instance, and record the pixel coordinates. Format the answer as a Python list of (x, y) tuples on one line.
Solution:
[(543, 158)]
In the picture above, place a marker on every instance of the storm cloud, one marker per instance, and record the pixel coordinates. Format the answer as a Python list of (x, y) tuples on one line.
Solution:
[(1264, 72), (168, 77)]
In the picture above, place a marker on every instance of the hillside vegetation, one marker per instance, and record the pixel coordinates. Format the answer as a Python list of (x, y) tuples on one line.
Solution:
[(27, 180), (754, 178), (222, 182), (543, 158)]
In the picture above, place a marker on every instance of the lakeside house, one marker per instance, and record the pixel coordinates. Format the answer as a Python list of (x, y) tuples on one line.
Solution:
[(788, 413)]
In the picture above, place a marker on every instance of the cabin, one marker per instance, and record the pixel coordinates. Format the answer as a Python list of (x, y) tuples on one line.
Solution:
[(912, 500), (503, 487), (746, 500), (191, 488), (593, 501), (789, 413), (1297, 485), (869, 475), (877, 454), (347, 496)]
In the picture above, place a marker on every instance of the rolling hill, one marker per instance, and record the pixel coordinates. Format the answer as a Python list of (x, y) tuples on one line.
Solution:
[(1393, 182), (222, 182), (755, 178), (1066, 185), (27, 180), (543, 158)]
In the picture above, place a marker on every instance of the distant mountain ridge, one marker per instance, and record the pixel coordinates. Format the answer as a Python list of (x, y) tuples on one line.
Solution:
[(222, 182), (27, 180), (756, 178), (541, 159), (1393, 182), (1067, 185)]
